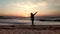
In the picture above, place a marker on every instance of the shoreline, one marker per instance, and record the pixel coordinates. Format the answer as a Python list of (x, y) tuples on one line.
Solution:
[(44, 27)]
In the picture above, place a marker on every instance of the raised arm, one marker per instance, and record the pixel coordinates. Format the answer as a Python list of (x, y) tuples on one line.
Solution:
[(35, 13)]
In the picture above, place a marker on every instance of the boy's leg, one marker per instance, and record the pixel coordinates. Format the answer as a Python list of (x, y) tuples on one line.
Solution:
[(32, 22)]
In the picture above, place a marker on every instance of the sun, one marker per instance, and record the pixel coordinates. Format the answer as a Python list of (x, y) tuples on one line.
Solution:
[(27, 9), (23, 9)]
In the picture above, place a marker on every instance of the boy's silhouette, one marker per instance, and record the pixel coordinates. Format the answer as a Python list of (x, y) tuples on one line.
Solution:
[(32, 17)]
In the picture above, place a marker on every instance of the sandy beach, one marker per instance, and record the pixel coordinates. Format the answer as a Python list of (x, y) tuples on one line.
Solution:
[(28, 29), (16, 26)]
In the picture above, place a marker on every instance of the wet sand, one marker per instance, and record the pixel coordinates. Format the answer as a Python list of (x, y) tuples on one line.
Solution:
[(28, 29)]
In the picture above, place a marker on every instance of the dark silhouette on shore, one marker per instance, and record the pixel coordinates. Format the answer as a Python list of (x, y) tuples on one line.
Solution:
[(32, 17)]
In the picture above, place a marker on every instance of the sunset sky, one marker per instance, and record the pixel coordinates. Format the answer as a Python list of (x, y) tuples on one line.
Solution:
[(25, 7)]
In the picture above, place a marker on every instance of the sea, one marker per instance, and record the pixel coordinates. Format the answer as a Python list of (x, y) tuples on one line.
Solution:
[(26, 22)]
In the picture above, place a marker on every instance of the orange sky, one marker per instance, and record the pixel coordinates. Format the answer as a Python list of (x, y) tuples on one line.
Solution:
[(27, 14), (25, 7)]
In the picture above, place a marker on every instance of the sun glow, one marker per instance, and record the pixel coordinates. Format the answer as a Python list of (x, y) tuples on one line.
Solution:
[(28, 7), (24, 10)]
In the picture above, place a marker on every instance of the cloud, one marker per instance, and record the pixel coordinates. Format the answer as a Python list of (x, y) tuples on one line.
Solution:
[(26, 5), (53, 4), (23, 6)]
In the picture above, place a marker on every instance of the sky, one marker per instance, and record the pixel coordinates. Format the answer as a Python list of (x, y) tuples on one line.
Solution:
[(25, 7)]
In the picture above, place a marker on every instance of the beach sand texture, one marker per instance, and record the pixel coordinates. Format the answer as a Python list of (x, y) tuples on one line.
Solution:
[(28, 29)]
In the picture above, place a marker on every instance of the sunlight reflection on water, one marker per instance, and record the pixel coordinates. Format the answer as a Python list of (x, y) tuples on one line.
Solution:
[(28, 22)]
